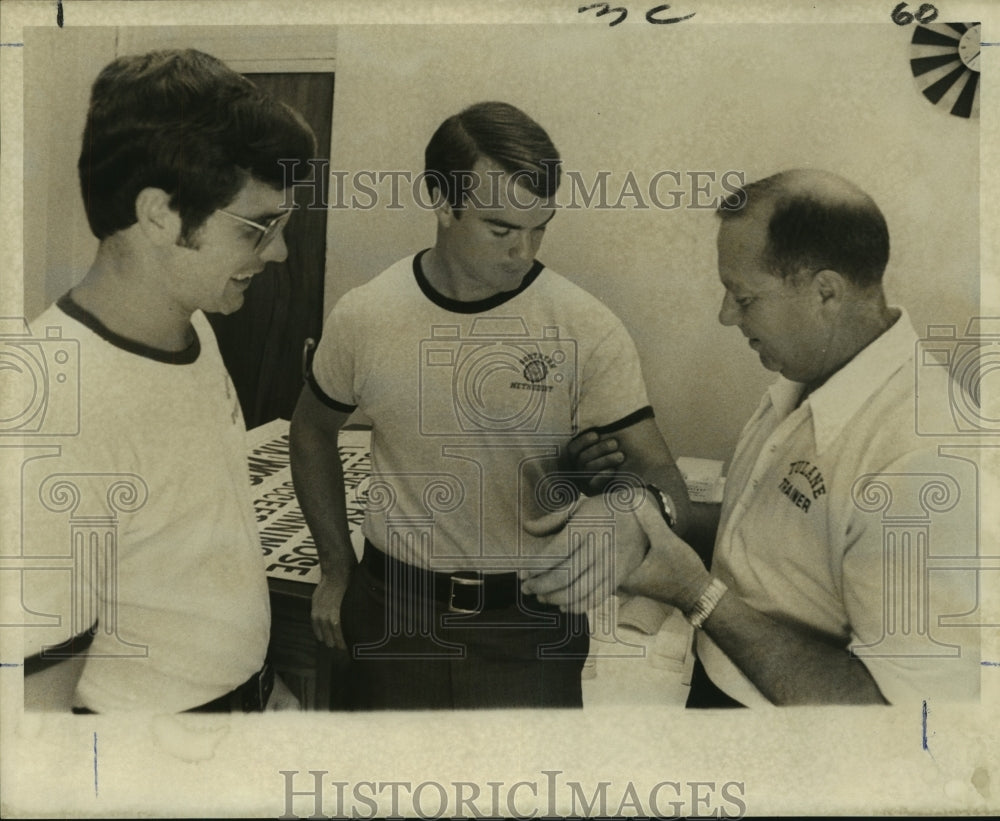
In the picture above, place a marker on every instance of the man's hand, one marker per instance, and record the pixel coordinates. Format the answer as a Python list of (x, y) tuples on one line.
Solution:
[(673, 572), (319, 485), (636, 453), (584, 571), (595, 458), (326, 601)]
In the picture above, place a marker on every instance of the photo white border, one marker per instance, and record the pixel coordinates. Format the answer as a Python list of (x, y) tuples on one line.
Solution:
[(792, 761)]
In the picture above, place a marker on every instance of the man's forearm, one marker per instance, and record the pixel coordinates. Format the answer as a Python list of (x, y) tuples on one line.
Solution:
[(647, 455), (319, 484), (786, 664), (703, 529), (667, 477)]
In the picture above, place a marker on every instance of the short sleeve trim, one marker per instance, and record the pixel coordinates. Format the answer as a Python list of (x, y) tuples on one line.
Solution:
[(327, 400), (308, 354), (625, 421)]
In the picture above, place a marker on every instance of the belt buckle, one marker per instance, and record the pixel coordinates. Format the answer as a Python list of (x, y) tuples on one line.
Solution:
[(458, 580)]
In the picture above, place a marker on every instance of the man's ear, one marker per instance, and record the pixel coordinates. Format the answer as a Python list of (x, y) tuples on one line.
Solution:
[(156, 219), (443, 210), (831, 287)]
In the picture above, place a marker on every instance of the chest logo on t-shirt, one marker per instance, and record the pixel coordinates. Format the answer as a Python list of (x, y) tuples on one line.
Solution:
[(803, 484), (496, 378), (536, 367)]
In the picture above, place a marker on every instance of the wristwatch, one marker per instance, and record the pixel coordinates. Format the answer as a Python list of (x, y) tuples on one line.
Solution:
[(665, 504), (706, 603)]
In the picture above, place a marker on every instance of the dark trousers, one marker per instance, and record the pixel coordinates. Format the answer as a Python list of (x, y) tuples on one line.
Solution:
[(705, 694), (410, 651)]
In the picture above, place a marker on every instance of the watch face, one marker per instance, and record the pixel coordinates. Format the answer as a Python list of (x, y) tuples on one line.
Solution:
[(944, 59)]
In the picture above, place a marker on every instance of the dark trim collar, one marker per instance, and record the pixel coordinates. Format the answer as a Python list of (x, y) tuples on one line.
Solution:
[(477, 306), (85, 317)]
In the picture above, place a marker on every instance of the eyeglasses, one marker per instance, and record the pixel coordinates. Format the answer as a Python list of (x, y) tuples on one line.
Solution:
[(268, 232)]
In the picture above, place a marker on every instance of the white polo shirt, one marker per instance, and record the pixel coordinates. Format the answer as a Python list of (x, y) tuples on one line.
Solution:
[(841, 520)]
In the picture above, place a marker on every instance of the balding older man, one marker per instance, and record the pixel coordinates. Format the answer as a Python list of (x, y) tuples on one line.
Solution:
[(812, 598)]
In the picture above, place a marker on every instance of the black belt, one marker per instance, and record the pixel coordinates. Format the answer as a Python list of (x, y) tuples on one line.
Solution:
[(250, 697), (53, 655), (462, 591)]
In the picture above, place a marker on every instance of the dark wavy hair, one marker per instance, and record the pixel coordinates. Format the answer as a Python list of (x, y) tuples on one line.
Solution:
[(186, 123), (818, 220), (496, 131)]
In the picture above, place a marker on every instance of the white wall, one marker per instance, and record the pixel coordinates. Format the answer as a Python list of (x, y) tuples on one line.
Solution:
[(58, 245), (646, 99)]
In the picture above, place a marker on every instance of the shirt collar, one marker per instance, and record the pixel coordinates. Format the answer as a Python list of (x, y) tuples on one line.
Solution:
[(834, 403)]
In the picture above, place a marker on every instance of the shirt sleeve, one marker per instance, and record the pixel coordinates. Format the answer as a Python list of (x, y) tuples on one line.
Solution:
[(909, 591), (332, 374), (612, 390)]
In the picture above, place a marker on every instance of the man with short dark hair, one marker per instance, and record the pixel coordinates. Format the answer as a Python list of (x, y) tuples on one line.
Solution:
[(476, 365), (812, 597), (182, 183)]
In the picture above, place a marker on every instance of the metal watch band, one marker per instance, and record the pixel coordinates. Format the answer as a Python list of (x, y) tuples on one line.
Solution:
[(665, 504), (706, 603)]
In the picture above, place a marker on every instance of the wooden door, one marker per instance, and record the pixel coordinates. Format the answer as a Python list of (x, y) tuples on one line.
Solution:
[(261, 343)]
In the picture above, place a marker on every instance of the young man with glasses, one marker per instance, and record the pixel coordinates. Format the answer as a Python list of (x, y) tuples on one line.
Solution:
[(182, 184)]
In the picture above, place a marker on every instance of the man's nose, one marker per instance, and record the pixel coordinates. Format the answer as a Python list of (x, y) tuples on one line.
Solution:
[(275, 250), (729, 311)]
